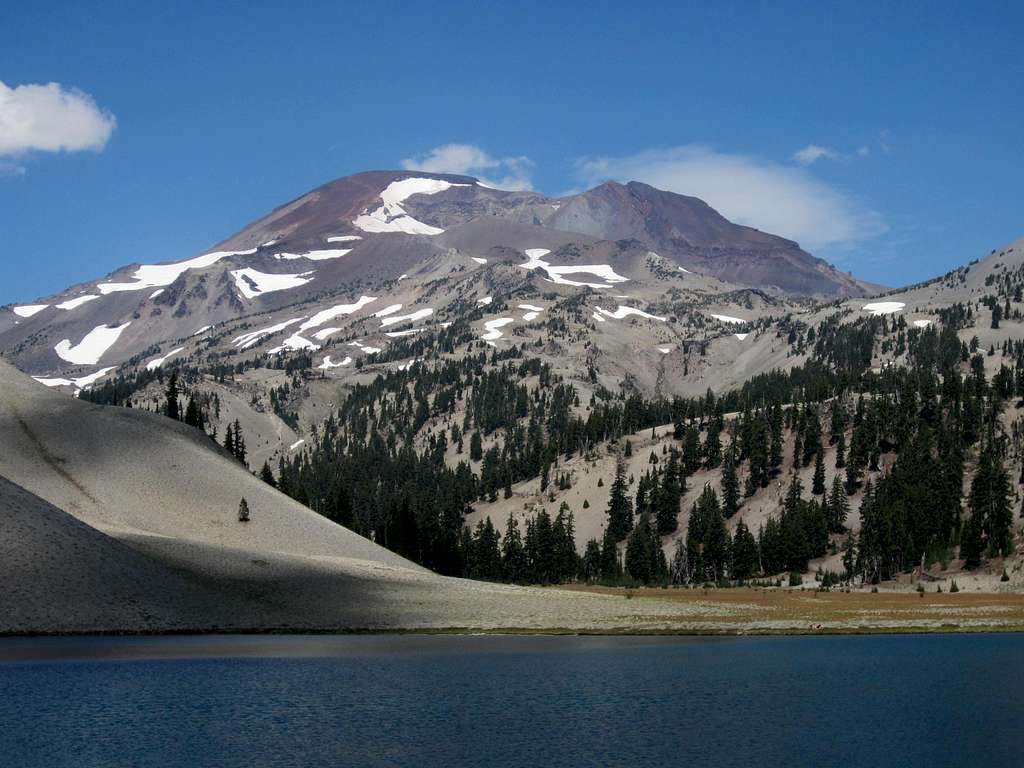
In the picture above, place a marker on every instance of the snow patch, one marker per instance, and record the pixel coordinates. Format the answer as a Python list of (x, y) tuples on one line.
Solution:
[(922, 323), (295, 342), (203, 330), (250, 339), (598, 317), (158, 362), (155, 293), (493, 327), (162, 275), (77, 302), (485, 300), (327, 365), (29, 310), (391, 217), (364, 347), (323, 255), (343, 238), (326, 315), (80, 383), (664, 350), (741, 336), (884, 307), (410, 332), (296, 444), (252, 283), (324, 333), (685, 270), (556, 274), (389, 310), (91, 348), (479, 259), (623, 312), (402, 277), (412, 317)]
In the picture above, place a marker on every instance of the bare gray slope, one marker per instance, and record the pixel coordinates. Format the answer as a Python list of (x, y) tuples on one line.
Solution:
[(59, 573), (129, 472)]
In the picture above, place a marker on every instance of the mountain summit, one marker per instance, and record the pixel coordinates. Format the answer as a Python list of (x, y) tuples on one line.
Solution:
[(401, 238)]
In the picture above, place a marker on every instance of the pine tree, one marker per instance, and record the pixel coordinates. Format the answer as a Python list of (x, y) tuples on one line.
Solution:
[(171, 408), (513, 557), (591, 566), (193, 415), (971, 543), (611, 568), (818, 483), (841, 451), (849, 556), (838, 506), (691, 451), (620, 508), (730, 486), (713, 443), (243, 511), (267, 475), (744, 553)]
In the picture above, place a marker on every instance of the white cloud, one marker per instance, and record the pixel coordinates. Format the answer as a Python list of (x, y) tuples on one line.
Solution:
[(51, 118), (514, 173), (773, 197), (812, 153), (864, 151)]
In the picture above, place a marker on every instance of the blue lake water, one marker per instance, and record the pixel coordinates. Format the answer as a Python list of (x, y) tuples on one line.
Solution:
[(495, 701)]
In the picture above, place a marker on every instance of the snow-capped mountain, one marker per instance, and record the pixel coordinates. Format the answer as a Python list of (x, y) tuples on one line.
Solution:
[(371, 244)]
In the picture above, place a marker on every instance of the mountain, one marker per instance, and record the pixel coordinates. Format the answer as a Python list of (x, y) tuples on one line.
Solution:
[(363, 234), (417, 363)]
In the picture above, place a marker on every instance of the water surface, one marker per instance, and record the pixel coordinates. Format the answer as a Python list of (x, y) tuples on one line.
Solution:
[(952, 700)]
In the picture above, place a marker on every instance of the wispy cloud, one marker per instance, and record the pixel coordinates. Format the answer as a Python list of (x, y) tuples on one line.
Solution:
[(51, 118), (512, 173), (812, 153), (777, 198)]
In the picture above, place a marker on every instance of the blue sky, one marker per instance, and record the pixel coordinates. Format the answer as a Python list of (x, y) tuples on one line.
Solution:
[(885, 137)]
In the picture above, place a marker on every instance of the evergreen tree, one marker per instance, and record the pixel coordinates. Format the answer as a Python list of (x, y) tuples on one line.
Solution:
[(818, 483), (744, 553), (841, 451), (620, 508), (611, 568), (171, 408), (513, 556), (838, 506), (267, 475), (971, 542), (645, 560), (591, 566), (730, 486), (691, 451), (193, 415), (243, 511)]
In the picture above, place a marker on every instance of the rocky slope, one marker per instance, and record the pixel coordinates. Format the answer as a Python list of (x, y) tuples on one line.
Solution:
[(422, 241)]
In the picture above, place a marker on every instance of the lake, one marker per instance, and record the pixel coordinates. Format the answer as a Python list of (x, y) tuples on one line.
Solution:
[(930, 700)]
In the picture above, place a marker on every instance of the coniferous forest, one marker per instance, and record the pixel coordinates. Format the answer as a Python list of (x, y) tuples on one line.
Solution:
[(405, 458)]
